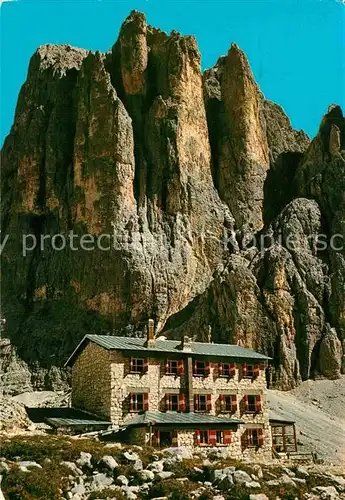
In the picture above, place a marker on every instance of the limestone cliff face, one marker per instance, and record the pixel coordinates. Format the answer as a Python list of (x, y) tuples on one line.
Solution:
[(177, 176), (240, 146)]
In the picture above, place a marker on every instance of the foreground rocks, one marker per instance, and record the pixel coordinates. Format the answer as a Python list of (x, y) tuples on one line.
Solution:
[(107, 472)]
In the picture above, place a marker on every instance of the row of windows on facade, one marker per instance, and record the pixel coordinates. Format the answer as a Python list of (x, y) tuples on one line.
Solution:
[(250, 438), (200, 368), (202, 403)]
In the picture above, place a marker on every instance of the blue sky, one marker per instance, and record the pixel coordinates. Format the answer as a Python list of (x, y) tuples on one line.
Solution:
[(295, 47)]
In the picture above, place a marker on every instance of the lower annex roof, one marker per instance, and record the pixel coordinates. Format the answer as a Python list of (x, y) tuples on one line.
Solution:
[(175, 418)]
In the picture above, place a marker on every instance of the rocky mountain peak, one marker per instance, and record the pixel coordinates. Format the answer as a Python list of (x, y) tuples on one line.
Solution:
[(60, 58)]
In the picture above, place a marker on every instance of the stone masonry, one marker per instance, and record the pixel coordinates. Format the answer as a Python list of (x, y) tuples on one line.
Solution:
[(91, 381)]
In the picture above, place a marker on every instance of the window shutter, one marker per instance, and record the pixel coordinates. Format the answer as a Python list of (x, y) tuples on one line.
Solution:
[(207, 369), (258, 404), (232, 369), (180, 367), (131, 405), (246, 403), (196, 402), (146, 401), (220, 369), (227, 437), (209, 402), (146, 364), (195, 366), (167, 402), (261, 436), (131, 365), (234, 404), (181, 403), (212, 437), (157, 438), (256, 371), (167, 366), (221, 402), (197, 438), (262, 366), (245, 369)]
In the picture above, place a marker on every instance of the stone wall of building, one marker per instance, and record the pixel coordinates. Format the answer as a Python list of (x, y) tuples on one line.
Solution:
[(154, 381), (91, 381), (239, 387), (186, 437), (102, 383)]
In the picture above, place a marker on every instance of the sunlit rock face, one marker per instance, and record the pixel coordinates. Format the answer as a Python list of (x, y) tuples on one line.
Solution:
[(175, 177)]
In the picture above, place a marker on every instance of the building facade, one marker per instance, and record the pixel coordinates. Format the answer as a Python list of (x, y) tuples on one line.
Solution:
[(179, 384)]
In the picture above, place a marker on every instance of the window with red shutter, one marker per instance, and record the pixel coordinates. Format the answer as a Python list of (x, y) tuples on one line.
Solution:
[(201, 369), (207, 369), (181, 367), (212, 437), (197, 438), (200, 402), (227, 403), (258, 408), (209, 402), (248, 371), (251, 404), (146, 364), (226, 370), (138, 365), (172, 402), (252, 438), (227, 437), (137, 401), (172, 367), (256, 371)]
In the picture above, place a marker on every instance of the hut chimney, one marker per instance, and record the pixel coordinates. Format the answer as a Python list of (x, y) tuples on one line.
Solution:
[(186, 344), (150, 332)]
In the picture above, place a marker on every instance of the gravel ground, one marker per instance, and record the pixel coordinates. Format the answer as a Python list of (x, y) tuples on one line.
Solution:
[(318, 408)]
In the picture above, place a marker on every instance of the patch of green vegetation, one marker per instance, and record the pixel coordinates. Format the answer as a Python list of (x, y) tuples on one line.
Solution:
[(186, 469), (56, 448), (175, 490), (40, 484), (238, 492)]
